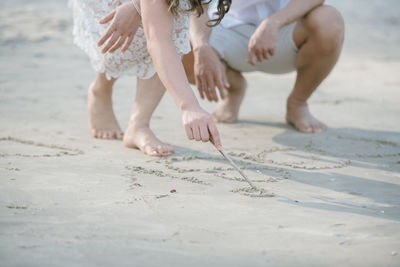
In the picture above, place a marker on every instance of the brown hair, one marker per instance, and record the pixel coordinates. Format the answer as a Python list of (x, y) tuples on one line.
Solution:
[(197, 5)]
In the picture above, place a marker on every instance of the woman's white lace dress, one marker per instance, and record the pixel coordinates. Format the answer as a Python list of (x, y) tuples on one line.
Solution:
[(136, 60)]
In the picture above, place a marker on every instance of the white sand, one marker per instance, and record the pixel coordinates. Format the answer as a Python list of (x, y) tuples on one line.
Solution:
[(69, 200)]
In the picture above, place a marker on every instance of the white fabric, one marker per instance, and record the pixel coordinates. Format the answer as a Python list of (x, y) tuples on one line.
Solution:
[(136, 60), (250, 11), (235, 54)]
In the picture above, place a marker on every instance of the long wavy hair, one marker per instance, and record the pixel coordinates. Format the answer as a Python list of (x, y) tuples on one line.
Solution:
[(197, 5)]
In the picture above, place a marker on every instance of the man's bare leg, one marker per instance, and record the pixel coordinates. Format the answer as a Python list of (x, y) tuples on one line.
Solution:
[(227, 110), (320, 37), (102, 121), (138, 134)]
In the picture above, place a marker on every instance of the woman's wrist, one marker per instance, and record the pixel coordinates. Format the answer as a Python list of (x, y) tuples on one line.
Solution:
[(188, 104)]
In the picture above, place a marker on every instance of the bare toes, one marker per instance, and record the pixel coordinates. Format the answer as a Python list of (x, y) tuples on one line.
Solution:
[(107, 135), (164, 150), (304, 128), (317, 126), (94, 134), (120, 135), (169, 150), (150, 150)]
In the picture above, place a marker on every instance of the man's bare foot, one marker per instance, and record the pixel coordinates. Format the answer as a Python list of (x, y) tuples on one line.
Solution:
[(143, 138), (300, 117), (227, 110), (102, 121)]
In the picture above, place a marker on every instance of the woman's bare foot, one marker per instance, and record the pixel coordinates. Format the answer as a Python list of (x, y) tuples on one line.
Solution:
[(300, 117), (227, 110), (102, 121), (143, 138)]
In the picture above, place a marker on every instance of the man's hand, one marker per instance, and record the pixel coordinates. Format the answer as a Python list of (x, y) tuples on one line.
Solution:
[(209, 73), (125, 22), (263, 42)]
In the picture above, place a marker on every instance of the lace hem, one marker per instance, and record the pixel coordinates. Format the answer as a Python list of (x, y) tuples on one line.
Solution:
[(136, 60)]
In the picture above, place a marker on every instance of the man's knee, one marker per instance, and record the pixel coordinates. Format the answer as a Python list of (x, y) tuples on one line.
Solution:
[(327, 25)]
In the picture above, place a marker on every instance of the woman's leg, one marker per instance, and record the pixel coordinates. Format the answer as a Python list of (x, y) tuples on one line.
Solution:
[(102, 121), (138, 135)]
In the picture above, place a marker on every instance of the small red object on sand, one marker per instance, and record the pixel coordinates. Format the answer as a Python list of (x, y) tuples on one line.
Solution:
[(173, 191)]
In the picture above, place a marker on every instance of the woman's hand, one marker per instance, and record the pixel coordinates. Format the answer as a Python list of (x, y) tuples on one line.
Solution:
[(199, 125), (125, 22), (209, 73), (263, 42)]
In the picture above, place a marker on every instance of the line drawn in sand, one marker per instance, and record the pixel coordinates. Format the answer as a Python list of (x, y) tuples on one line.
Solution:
[(278, 156), (267, 166), (175, 168), (350, 141), (61, 150), (143, 170)]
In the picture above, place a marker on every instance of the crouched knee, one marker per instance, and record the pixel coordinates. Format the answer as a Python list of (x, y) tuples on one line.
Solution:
[(327, 25)]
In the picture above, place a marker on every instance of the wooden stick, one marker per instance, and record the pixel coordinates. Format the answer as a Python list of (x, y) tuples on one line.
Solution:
[(234, 165)]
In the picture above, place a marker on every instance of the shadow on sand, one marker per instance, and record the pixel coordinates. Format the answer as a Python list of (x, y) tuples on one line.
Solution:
[(367, 150)]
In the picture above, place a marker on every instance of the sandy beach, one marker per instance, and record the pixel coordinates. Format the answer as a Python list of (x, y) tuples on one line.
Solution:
[(67, 199)]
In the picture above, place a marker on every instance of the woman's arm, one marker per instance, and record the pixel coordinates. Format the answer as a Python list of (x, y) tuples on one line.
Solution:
[(158, 26), (263, 42)]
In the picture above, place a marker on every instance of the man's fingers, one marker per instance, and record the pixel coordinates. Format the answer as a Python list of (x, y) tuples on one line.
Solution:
[(204, 86), (208, 94), (127, 43), (215, 135), (211, 87), (199, 87), (265, 54), (107, 18), (225, 79), (251, 57), (259, 55), (115, 36), (271, 51), (118, 44), (221, 86)]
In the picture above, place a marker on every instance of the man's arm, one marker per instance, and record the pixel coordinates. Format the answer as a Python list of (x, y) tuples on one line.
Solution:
[(294, 10), (199, 31), (263, 42), (208, 69)]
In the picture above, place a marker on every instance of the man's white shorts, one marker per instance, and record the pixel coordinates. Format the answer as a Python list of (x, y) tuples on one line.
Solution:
[(232, 45)]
